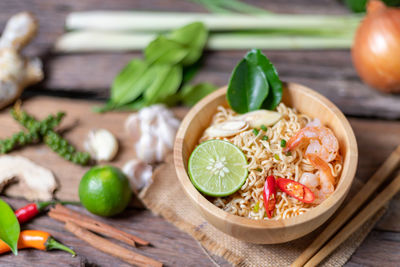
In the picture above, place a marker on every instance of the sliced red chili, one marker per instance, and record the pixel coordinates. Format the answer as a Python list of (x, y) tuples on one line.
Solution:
[(296, 190), (270, 196)]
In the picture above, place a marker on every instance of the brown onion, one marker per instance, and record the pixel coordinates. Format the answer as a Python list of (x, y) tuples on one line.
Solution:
[(376, 48)]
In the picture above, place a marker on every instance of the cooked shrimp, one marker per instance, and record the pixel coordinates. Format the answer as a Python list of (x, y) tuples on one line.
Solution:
[(321, 141), (322, 184)]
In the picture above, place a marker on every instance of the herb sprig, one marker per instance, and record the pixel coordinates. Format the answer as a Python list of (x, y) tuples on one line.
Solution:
[(170, 60)]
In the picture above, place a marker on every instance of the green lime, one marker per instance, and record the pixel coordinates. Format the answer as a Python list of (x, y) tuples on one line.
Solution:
[(217, 168), (105, 191)]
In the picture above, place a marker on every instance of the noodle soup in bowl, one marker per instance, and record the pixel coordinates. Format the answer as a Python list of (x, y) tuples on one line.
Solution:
[(275, 230)]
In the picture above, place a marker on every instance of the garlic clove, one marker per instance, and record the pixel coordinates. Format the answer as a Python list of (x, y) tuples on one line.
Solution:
[(161, 150), (145, 148), (132, 126), (165, 132), (260, 117), (139, 174), (101, 144)]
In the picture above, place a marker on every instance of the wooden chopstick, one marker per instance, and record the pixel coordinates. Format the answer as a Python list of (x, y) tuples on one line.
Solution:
[(355, 223), (390, 164)]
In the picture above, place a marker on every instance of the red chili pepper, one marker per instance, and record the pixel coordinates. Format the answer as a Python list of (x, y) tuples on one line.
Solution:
[(270, 196), (296, 190), (30, 211), (26, 213)]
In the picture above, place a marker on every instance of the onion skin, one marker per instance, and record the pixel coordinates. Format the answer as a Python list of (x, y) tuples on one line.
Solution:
[(376, 48)]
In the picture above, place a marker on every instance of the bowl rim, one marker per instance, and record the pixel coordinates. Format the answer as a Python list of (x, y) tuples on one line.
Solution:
[(205, 204)]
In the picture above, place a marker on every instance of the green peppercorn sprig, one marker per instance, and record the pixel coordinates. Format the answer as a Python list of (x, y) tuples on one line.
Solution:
[(18, 140), (42, 130), (64, 149), (36, 129)]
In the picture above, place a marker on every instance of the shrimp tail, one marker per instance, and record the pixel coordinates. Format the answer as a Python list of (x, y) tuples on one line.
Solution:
[(294, 141), (321, 165)]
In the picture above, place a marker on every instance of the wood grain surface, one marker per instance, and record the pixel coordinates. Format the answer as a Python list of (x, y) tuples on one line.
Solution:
[(176, 248), (89, 76), (329, 72), (80, 119)]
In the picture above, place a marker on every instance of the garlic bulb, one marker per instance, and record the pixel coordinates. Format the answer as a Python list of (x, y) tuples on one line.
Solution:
[(139, 174), (153, 130), (101, 144)]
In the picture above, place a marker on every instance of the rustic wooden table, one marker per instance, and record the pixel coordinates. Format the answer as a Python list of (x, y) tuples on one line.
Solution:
[(88, 76)]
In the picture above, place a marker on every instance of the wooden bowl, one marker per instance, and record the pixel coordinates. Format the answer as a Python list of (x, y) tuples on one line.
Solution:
[(304, 100)]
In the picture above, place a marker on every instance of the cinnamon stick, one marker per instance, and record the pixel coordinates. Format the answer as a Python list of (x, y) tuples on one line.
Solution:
[(91, 226), (61, 213), (109, 247)]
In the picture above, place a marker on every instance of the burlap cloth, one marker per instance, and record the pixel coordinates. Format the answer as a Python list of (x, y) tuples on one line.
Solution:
[(166, 198)]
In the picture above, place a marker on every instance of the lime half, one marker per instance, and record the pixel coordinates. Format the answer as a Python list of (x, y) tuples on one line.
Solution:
[(217, 168)]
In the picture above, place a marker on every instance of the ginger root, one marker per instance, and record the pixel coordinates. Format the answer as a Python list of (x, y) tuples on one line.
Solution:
[(17, 72), (39, 182)]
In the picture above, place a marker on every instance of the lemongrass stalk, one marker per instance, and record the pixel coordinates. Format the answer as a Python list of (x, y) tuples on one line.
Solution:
[(90, 41), (153, 21), (87, 41), (229, 6), (276, 42)]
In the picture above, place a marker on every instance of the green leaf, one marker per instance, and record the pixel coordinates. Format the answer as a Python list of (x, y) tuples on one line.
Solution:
[(166, 82), (359, 6), (275, 85), (107, 107), (254, 84), (190, 72), (134, 106), (191, 94), (9, 227), (356, 5), (194, 37), (165, 51), (130, 82), (248, 86), (159, 76)]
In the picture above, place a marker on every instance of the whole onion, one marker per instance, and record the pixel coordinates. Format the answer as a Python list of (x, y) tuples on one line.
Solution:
[(376, 48)]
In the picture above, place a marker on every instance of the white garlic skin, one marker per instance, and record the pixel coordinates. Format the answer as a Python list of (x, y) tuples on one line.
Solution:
[(139, 174), (101, 144), (153, 130)]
